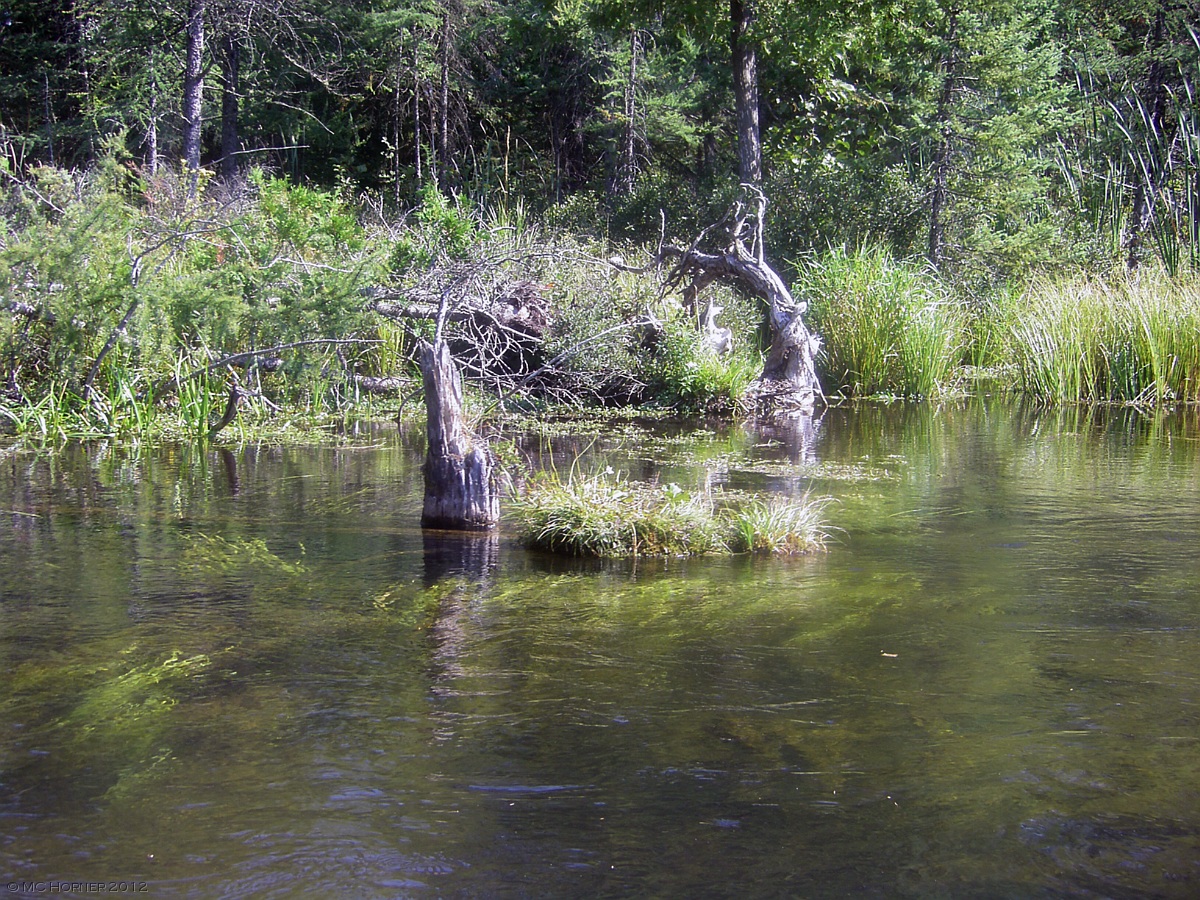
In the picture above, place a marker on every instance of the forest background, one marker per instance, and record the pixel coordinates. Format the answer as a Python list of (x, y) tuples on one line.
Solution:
[(218, 191)]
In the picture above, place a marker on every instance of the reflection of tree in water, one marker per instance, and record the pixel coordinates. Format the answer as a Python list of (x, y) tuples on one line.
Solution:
[(798, 434), (229, 462), (468, 561)]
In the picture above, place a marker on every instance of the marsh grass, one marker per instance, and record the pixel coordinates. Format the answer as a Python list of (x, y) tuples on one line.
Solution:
[(606, 515), (58, 416), (777, 526), (890, 327), (1131, 340)]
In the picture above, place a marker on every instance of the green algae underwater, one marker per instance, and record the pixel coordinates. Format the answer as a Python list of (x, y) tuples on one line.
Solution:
[(247, 672)]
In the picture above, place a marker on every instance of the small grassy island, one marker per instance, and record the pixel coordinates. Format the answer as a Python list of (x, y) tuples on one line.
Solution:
[(607, 516)]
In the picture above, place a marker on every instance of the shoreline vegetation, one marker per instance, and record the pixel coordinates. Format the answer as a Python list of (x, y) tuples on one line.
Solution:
[(130, 312)]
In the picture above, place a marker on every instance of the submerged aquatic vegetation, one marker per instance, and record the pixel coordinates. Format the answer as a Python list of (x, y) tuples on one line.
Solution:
[(216, 555), (112, 715), (608, 516)]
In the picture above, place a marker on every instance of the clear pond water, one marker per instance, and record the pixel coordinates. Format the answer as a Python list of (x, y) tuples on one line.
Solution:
[(248, 673)]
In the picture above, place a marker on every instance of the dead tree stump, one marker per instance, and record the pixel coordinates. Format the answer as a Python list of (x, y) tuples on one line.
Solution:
[(461, 486), (788, 384)]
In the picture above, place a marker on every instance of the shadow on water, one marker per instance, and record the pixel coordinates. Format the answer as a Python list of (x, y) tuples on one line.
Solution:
[(249, 672)]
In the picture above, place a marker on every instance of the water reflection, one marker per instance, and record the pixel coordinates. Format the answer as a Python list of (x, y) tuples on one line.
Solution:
[(799, 436), (229, 464), (252, 674)]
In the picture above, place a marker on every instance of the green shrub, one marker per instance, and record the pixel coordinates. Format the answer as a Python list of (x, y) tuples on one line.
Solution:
[(119, 278), (684, 371), (442, 230)]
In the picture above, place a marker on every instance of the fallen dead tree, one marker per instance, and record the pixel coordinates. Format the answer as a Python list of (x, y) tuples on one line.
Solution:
[(788, 384), (495, 324)]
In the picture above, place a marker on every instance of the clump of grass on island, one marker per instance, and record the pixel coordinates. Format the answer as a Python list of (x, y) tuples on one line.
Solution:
[(608, 516)]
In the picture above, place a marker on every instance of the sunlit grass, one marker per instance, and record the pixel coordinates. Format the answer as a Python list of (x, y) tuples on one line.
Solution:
[(1123, 340), (777, 526), (605, 515), (889, 327)]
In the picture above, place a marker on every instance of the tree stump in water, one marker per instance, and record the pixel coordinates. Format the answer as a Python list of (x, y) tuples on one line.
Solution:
[(461, 491)]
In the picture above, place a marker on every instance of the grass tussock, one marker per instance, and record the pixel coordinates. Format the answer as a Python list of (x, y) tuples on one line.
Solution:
[(1131, 340), (890, 327), (607, 516)]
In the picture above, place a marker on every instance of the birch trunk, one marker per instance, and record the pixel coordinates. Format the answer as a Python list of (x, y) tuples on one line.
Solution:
[(193, 94)]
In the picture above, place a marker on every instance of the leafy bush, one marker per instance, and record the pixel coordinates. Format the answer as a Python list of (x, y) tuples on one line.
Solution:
[(114, 279), (442, 230), (687, 373)]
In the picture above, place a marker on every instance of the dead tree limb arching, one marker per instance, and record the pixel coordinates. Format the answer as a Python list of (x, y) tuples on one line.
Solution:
[(788, 383)]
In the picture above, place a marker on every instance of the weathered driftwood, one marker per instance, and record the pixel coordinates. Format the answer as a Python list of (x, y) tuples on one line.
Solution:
[(788, 383), (461, 489), (381, 385), (27, 310)]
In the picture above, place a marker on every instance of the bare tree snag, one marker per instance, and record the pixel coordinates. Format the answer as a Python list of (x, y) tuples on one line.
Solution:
[(788, 383), (461, 489)]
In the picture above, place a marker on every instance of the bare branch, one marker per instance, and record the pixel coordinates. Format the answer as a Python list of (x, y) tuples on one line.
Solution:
[(172, 384)]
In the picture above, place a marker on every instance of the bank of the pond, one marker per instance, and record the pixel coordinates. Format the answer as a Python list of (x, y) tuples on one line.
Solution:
[(92, 350)]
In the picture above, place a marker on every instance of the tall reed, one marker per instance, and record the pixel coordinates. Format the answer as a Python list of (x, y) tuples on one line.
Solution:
[(889, 327), (1133, 340)]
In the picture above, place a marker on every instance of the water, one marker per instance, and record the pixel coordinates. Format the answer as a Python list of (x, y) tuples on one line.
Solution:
[(249, 674)]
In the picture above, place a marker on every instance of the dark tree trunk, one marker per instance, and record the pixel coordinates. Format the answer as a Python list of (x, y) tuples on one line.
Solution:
[(231, 59), (461, 491), (193, 94), (745, 91), (49, 112), (1150, 173), (940, 192)]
